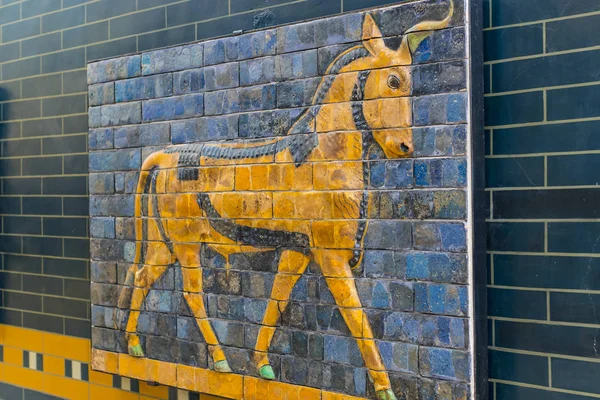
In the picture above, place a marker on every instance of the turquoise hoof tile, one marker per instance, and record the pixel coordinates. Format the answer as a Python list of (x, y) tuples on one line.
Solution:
[(222, 366), (135, 351), (386, 395), (266, 372)]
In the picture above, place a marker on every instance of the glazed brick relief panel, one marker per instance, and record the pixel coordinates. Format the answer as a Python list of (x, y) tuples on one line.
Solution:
[(286, 210)]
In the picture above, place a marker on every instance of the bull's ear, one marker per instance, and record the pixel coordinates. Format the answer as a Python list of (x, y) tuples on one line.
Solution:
[(372, 38)]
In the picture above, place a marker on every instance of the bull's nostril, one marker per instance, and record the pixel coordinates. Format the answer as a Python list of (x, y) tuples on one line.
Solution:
[(404, 147)]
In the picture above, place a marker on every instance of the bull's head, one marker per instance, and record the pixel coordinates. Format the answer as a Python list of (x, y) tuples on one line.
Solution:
[(389, 81)]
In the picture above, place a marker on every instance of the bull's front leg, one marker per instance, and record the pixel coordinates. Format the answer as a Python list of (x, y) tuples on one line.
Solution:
[(340, 280), (292, 265)]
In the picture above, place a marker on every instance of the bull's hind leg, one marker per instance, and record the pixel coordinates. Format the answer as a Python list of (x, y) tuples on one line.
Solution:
[(143, 281), (339, 278), (192, 291), (292, 265)]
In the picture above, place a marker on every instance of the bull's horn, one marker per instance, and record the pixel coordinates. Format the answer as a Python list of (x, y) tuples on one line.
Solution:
[(434, 25)]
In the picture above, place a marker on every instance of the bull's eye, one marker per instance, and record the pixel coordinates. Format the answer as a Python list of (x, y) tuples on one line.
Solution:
[(394, 82)]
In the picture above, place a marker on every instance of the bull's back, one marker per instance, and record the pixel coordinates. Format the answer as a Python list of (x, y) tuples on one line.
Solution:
[(318, 198)]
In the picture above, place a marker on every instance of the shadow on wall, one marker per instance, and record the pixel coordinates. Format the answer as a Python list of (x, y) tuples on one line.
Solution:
[(4, 96)]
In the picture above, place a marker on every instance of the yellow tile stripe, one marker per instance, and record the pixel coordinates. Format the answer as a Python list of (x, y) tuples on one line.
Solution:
[(57, 348)]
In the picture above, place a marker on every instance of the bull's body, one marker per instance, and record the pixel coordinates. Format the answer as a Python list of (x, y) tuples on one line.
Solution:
[(304, 195)]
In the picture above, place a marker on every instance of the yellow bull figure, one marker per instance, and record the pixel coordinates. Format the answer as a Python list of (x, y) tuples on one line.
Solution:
[(303, 194)]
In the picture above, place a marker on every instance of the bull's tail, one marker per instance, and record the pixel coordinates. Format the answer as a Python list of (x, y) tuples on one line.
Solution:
[(143, 188)]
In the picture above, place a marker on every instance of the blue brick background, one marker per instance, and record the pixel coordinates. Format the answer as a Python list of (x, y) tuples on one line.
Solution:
[(542, 113), (414, 281)]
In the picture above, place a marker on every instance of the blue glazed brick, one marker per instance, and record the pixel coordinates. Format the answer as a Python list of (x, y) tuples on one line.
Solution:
[(204, 129), (401, 326), (221, 50), (267, 123), (100, 139), (222, 102), (437, 267), (340, 29), (440, 109), (515, 172), (102, 183), (115, 160), (296, 93), (440, 141), (258, 98), (229, 333), (257, 44), (384, 263), (450, 204), (103, 272), (95, 117), (147, 324), (391, 174), (441, 45), (127, 136), (391, 235), (514, 108), (256, 71), (513, 42), (222, 76), (187, 329), (342, 350), (441, 172), (173, 59), (111, 70), (112, 206), (126, 182), (400, 357), (443, 331), (296, 37), (155, 134), (102, 227), (159, 301), (254, 310), (191, 105), (121, 114), (439, 236), (442, 299), (453, 237), (190, 81), (296, 65), (102, 93), (147, 87), (438, 78), (444, 363)]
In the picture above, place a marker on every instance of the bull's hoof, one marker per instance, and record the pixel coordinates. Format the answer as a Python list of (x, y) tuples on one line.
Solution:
[(222, 366), (386, 394), (266, 372), (135, 351)]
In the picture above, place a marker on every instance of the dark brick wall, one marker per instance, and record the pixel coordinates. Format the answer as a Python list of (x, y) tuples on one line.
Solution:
[(543, 131), (543, 128)]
